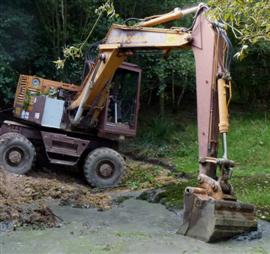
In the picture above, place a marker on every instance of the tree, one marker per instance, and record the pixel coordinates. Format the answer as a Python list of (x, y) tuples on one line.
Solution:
[(18, 45), (248, 23), (247, 19), (34, 34)]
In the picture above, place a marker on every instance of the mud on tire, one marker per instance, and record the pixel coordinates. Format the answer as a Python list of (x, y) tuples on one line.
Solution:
[(104, 167), (17, 153)]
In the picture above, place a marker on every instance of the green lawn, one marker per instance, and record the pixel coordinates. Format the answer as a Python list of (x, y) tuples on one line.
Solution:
[(175, 138)]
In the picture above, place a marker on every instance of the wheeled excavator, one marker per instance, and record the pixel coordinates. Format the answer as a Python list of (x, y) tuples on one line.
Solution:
[(82, 125)]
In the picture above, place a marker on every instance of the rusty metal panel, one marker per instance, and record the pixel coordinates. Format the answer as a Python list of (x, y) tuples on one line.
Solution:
[(38, 108), (146, 37), (63, 144), (27, 131), (29, 87)]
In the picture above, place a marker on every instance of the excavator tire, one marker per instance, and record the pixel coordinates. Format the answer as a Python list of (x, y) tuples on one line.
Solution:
[(17, 153), (104, 167)]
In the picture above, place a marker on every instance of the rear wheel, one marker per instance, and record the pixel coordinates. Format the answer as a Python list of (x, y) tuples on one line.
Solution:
[(17, 153), (104, 167)]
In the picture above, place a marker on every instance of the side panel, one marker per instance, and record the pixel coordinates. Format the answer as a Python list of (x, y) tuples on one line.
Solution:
[(64, 145), (10, 126), (53, 113), (30, 87)]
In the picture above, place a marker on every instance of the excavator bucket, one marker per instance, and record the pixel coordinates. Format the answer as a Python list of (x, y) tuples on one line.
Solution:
[(212, 220)]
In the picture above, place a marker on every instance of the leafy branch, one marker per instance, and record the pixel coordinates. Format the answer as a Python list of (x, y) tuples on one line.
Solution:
[(76, 51), (247, 19)]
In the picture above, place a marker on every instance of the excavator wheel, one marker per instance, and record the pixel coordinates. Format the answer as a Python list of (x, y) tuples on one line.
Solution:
[(17, 153), (104, 167)]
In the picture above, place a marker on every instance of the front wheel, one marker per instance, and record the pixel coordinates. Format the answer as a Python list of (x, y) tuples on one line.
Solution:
[(17, 153), (104, 167)]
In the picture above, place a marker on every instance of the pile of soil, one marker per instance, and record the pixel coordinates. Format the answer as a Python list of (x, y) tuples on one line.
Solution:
[(18, 189), (17, 192), (40, 217)]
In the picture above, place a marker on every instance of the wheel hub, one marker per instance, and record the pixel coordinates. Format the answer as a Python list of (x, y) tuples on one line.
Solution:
[(106, 170), (14, 157)]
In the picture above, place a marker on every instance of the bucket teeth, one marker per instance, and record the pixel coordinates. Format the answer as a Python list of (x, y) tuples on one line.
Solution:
[(212, 220)]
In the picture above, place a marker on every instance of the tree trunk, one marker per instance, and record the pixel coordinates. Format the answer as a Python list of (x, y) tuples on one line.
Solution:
[(58, 29), (179, 100), (173, 91), (174, 108), (150, 97), (162, 103)]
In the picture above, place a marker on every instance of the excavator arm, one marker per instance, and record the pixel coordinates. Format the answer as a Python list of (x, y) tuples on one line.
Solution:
[(211, 210), (120, 43), (209, 49)]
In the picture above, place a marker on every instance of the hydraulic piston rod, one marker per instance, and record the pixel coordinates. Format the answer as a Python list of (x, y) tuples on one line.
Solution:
[(223, 114), (176, 14)]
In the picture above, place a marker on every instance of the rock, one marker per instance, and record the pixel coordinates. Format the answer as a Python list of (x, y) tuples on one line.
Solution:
[(153, 196), (253, 235)]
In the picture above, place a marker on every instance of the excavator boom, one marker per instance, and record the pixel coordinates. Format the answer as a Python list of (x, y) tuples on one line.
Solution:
[(211, 211)]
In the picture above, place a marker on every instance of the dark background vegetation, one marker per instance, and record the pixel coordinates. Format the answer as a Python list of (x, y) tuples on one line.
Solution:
[(34, 33)]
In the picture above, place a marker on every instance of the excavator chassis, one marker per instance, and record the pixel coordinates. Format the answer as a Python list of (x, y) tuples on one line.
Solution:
[(212, 220)]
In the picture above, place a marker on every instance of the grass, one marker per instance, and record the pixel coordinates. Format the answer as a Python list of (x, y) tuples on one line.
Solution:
[(254, 189), (142, 176), (175, 138)]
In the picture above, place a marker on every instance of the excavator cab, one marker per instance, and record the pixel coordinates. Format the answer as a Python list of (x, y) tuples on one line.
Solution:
[(120, 114), (37, 100)]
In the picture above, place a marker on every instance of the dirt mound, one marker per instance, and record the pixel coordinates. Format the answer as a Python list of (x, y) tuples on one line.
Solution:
[(40, 217), (19, 193), (17, 189)]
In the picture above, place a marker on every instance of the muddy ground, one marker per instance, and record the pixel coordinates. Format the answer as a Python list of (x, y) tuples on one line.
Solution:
[(18, 192), (135, 226), (56, 212)]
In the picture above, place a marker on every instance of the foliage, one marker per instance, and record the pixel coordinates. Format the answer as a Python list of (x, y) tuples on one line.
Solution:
[(15, 25), (33, 34), (142, 8), (248, 20), (6, 77), (36, 33), (160, 73), (77, 51), (251, 77), (154, 136)]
